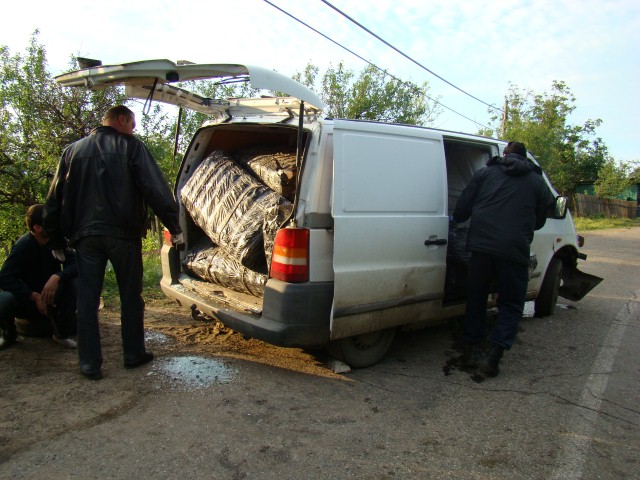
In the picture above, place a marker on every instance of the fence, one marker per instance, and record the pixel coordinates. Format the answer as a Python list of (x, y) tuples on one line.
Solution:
[(588, 205)]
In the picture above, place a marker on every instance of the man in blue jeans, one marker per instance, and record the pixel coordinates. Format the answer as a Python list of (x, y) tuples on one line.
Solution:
[(42, 287), (506, 200), (98, 200)]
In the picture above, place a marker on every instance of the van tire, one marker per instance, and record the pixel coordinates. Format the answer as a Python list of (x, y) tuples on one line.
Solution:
[(548, 295), (365, 350)]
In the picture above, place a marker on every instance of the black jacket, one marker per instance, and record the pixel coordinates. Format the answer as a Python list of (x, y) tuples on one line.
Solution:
[(506, 200), (103, 185), (30, 265)]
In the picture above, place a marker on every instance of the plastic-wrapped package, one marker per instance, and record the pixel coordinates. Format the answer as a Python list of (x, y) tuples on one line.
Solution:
[(458, 242), (274, 219), (213, 264), (228, 204), (275, 167)]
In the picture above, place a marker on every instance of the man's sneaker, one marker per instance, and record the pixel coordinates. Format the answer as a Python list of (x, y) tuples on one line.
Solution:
[(146, 358), (6, 342), (66, 342)]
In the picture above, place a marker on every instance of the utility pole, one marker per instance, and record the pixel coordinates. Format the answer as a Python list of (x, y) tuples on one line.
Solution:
[(504, 117)]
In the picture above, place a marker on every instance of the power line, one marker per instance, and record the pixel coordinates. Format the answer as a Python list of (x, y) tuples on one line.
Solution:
[(408, 57), (370, 63)]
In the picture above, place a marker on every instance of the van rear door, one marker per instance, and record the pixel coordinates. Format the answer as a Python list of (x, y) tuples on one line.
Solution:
[(390, 226)]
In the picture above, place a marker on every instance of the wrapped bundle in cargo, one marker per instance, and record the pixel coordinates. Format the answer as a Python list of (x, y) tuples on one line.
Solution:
[(275, 167), (228, 204), (274, 219), (213, 264), (457, 249)]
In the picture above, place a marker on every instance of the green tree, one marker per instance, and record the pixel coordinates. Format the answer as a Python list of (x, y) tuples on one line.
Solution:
[(568, 153), (39, 119), (613, 179), (370, 95)]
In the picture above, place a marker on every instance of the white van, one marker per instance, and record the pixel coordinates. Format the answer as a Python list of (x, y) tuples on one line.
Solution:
[(362, 245)]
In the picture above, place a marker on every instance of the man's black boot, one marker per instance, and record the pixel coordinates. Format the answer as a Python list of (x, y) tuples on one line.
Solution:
[(489, 364), (474, 356)]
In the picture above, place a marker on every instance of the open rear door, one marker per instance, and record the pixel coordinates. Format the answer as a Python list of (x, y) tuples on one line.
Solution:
[(148, 75), (389, 199)]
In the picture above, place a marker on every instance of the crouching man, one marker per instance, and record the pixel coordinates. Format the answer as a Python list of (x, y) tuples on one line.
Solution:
[(38, 285)]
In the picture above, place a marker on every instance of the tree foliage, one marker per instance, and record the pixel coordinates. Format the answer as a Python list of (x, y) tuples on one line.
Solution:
[(370, 95), (568, 153), (613, 179), (39, 119)]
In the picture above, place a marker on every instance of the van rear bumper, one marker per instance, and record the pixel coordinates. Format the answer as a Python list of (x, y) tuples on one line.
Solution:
[(293, 314)]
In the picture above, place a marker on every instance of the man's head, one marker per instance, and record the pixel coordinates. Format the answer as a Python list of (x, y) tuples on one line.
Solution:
[(120, 118), (33, 216), (516, 147)]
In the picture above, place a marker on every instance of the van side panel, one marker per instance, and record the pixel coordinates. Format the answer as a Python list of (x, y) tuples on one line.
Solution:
[(389, 197)]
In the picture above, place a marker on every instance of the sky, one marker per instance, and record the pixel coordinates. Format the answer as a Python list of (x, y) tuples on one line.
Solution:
[(481, 47)]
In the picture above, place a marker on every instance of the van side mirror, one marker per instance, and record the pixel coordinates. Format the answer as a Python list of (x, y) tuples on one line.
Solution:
[(560, 208)]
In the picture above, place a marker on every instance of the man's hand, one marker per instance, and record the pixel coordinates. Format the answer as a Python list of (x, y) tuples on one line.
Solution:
[(178, 239), (48, 294), (58, 255), (37, 299)]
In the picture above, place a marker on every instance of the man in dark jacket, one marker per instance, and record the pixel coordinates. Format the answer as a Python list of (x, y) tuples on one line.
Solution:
[(37, 286), (98, 200), (506, 200)]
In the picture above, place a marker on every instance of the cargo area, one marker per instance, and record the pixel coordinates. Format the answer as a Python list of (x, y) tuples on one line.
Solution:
[(237, 186), (463, 159)]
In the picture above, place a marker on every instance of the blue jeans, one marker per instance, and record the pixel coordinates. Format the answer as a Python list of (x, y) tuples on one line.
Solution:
[(125, 256), (511, 280)]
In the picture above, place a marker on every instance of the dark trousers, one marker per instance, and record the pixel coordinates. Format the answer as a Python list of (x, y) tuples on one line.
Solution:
[(7, 315), (61, 317), (125, 256), (511, 281)]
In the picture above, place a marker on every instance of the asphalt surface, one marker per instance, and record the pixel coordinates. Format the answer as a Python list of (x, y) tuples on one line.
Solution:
[(565, 406)]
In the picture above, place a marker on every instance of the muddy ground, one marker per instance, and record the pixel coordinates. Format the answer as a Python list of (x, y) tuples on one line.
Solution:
[(43, 394)]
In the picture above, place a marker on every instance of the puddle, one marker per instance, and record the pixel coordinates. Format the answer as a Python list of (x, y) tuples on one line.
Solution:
[(156, 337), (192, 372)]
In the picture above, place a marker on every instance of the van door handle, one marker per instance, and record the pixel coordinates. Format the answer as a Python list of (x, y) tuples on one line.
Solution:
[(437, 241)]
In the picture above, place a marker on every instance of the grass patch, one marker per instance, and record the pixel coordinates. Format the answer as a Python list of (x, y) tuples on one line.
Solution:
[(150, 280), (604, 223)]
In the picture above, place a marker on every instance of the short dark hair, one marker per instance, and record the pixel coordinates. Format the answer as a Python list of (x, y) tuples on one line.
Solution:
[(114, 112), (516, 147), (34, 216)]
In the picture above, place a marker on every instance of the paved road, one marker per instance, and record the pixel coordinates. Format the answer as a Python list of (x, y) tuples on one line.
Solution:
[(565, 407)]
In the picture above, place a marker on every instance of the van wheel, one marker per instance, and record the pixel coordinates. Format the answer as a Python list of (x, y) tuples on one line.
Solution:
[(364, 350), (548, 295)]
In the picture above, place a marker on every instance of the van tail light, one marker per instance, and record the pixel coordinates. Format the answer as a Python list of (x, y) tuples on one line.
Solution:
[(167, 237), (290, 259)]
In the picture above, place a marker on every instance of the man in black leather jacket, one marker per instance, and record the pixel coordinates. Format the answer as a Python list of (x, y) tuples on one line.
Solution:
[(506, 200), (98, 200)]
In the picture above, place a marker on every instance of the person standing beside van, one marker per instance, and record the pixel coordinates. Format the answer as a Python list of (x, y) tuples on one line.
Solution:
[(506, 201), (98, 200)]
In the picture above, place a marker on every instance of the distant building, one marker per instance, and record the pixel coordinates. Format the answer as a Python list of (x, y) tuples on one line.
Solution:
[(631, 194)]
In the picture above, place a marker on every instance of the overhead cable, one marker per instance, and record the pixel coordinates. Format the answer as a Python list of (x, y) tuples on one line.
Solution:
[(408, 57), (370, 63)]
